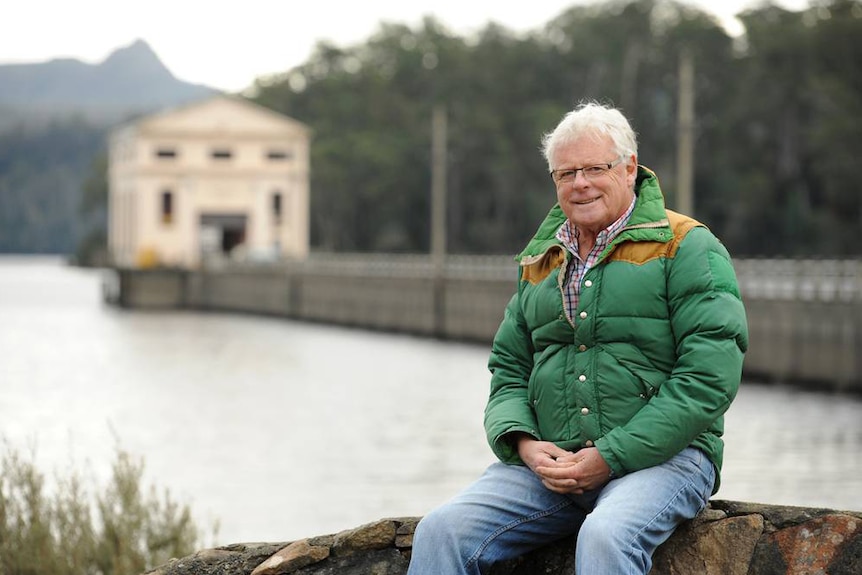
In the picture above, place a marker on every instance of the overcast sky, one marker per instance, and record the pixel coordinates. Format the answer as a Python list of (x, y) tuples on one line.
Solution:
[(227, 45)]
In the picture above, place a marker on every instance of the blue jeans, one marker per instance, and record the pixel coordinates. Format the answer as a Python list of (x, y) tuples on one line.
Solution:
[(508, 512)]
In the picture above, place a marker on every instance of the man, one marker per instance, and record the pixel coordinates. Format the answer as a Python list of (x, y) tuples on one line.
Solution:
[(611, 372)]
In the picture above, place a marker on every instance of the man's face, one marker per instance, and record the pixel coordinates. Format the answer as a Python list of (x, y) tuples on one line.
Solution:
[(593, 202)]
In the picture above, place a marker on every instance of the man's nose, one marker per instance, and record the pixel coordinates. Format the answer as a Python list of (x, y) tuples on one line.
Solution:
[(583, 179)]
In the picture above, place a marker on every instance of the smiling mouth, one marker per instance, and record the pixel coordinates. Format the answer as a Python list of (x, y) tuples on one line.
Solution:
[(586, 202)]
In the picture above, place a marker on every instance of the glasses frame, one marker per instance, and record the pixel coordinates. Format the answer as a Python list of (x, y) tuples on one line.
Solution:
[(603, 169)]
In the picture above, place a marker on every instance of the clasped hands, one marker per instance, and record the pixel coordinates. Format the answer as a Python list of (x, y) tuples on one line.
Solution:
[(563, 471)]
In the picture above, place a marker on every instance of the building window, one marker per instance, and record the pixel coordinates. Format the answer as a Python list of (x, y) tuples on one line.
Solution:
[(276, 207), (167, 207), (278, 155), (222, 154), (166, 153)]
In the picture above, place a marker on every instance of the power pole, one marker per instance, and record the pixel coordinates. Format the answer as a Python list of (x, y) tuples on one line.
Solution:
[(438, 186), (685, 135), (438, 215)]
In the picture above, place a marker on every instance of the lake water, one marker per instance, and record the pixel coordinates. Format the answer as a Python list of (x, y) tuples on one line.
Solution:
[(280, 430)]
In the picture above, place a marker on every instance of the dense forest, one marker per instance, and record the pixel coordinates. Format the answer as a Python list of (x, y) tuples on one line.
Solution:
[(778, 123), (42, 168)]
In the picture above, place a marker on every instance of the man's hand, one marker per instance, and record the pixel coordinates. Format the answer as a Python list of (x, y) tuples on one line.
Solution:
[(537, 453), (562, 471)]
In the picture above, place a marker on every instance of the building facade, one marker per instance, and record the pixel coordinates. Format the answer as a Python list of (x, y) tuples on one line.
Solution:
[(215, 179)]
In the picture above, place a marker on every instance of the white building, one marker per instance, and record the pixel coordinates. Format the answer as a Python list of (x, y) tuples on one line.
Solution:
[(216, 178)]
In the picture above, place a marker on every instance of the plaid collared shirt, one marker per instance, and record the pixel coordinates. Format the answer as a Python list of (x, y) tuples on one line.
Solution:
[(578, 268)]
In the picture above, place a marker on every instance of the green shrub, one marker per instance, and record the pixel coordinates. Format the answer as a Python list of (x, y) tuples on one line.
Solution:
[(120, 530)]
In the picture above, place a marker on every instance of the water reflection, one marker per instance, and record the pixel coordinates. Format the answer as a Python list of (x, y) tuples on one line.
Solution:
[(794, 447), (283, 430)]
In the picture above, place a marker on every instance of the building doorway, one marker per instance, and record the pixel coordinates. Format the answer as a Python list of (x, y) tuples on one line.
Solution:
[(221, 234)]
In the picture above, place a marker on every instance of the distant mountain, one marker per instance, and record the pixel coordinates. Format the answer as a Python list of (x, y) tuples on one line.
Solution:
[(131, 81)]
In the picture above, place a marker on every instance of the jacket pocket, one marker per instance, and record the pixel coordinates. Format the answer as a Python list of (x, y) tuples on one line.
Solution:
[(650, 380), (647, 380)]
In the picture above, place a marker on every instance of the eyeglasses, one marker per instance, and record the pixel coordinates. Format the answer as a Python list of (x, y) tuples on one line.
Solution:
[(567, 176)]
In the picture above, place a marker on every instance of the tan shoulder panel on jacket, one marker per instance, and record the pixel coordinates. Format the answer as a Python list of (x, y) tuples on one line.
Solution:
[(536, 268), (642, 252)]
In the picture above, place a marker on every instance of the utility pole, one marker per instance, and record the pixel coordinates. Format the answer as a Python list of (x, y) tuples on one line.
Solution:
[(438, 186), (685, 135), (438, 214)]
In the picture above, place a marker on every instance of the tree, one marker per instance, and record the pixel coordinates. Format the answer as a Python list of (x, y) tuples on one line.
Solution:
[(92, 248)]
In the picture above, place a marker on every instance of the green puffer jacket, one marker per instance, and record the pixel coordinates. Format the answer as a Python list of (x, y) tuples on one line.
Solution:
[(654, 358)]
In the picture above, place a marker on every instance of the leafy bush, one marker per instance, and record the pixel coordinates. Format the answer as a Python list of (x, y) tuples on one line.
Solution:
[(119, 531)]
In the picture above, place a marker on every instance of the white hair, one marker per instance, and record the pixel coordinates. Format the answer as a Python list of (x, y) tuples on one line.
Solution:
[(591, 119)]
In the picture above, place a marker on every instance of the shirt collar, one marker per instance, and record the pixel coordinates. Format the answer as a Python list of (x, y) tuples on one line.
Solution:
[(568, 234)]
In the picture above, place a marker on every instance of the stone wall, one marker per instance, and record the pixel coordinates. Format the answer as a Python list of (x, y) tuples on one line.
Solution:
[(728, 538)]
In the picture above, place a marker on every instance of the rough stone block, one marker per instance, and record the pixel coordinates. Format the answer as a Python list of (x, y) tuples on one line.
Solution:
[(816, 547), (722, 547), (294, 556), (376, 562), (377, 535)]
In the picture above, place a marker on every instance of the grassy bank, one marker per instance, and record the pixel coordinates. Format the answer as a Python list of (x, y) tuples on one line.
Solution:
[(78, 528)]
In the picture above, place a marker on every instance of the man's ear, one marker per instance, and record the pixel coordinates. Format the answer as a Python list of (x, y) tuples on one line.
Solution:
[(631, 170)]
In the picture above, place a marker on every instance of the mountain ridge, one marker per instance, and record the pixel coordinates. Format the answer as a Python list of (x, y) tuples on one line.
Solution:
[(131, 80)]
